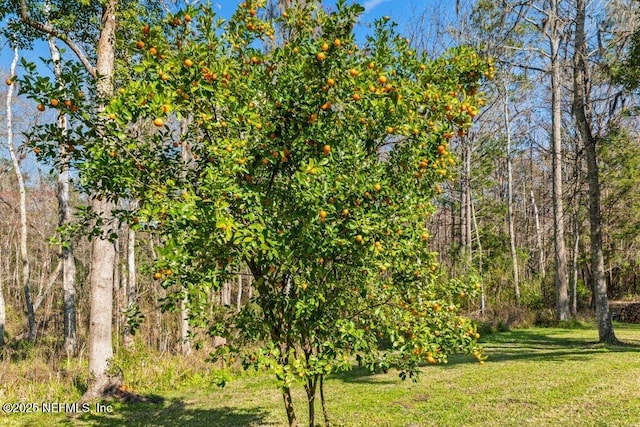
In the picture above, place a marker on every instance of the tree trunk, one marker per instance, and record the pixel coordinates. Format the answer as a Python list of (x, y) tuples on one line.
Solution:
[(225, 294), (325, 413), (3, 308), (574, 285), (117, 289), (483, 303), (561, 277), (310, 388), (239, 294), (512, 235), (132, 282), (288, 405), (24, 253), (101, 310), (465, 204), (582, 111), (102, 250), (539, 246), (64, 218), (185, 341)]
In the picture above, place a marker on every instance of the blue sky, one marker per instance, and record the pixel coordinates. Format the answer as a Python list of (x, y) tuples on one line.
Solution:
[(401, 11)]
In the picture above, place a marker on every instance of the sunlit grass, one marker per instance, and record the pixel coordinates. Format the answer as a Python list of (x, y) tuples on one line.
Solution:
[(542, 377)]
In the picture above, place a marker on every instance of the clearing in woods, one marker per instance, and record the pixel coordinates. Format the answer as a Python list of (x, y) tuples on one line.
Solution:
[(534, 376)]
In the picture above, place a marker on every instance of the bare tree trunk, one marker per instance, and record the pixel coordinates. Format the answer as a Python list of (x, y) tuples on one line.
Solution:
[(226, 294), (132, 281), (554, 25), (117, 290), (574, 285), (64, 218), (102, 250), (24, 253), (185, 341), (512, 235), (239, 295), (539, 246), (465, 203), (483, 304), (3, 308), (582, 110), (101, 310)]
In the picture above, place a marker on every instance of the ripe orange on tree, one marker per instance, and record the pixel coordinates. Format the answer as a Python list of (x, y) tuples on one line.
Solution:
[(256, 156)]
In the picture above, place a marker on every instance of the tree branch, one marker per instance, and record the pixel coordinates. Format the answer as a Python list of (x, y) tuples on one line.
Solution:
[(43, 292), (48, 29)]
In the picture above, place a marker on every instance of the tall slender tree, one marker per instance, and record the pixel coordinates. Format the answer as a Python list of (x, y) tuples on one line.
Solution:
[(102, 248), (582, 109), (553, 30), (510, 219), (24, 253), (64, 219)]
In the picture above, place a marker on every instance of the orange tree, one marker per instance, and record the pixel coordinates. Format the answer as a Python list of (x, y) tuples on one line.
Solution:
[(310, 159)]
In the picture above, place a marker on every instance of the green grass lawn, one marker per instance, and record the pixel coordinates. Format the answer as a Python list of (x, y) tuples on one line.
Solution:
[(541, 377)]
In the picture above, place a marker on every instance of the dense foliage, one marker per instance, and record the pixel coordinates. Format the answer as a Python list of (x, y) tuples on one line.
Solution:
[(285, 146)]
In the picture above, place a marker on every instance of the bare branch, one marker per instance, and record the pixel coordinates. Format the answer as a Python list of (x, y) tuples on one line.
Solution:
[(48, 29), (43, 292)]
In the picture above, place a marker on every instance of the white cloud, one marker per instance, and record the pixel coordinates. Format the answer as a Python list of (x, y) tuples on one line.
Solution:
[(371, 4)]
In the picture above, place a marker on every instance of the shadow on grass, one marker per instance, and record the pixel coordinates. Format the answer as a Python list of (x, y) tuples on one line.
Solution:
[(361, 375), (541, 345), (173, 413)]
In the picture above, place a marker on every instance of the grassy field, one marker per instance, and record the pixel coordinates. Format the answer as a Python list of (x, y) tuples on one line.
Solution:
[(541, 377)]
